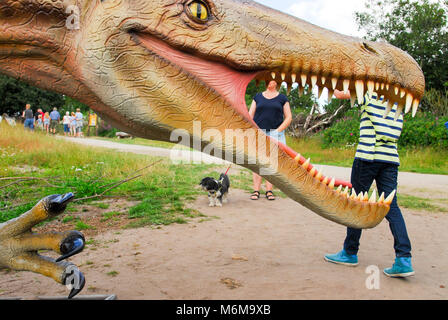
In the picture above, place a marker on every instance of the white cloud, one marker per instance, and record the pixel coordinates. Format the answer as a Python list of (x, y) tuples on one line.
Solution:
[(330, 14)]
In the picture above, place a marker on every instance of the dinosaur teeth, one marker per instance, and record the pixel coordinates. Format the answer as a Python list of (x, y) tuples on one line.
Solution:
[(353, 195), (390, 198), (334, 83), (359, 85), (398, 112), (293, 77), (366, 197), (409, 100), (345, 192), (373, 197), (415, 105), (357, 89), (332, 183), (346, 85), (339, 190), (381, 199), (319, 175), (313, 81), (303, 77), (388, 108), (313, 172), (402, 93), (306, 164)]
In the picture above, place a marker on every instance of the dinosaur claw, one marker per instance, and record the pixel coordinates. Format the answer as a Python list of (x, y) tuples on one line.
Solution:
[(75, 280), (57, 203), (71, 245)]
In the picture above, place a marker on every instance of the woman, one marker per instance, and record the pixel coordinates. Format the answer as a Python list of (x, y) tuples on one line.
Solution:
[(73, 125), (66, 123), (271, 111), (47, 122)]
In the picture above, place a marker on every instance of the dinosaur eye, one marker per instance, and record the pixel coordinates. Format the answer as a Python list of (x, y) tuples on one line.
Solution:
[(199, 11)]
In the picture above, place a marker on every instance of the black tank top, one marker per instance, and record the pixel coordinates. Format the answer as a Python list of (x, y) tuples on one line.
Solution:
[(29, 114), (269, 114)]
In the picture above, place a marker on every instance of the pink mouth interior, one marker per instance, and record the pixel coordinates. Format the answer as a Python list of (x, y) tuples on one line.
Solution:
[(227, 82)]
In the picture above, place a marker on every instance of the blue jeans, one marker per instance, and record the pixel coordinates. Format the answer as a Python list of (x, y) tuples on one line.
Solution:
[(29, 123), (279, 136), (385, 175)]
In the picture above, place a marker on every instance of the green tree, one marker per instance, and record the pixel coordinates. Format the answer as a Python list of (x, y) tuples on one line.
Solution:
[(14, 95), (419, 27)]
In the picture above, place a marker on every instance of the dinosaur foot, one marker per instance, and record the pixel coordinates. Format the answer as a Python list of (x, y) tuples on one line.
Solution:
[(19, 246)]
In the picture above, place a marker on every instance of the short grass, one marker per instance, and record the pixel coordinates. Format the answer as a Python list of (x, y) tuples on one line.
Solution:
[(62, 166), (417, 203)]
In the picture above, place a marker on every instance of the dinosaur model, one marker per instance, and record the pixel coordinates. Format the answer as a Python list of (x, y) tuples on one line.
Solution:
[(151, 67)]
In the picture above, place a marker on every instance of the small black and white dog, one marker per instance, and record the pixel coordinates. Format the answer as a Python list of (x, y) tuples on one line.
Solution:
[(217, 189)]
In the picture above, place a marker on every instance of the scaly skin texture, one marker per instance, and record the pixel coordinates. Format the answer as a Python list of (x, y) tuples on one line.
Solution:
[(151, 67)]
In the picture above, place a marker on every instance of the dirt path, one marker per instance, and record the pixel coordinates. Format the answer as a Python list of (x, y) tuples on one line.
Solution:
[(256, 250)]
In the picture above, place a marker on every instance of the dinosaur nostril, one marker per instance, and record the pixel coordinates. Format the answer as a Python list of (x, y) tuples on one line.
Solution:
[(369, 48)]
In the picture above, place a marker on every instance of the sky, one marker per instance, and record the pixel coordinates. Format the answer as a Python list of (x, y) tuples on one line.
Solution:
[(331, 14), (334, 15)]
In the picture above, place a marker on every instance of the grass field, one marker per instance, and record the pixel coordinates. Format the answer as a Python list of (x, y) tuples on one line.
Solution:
[(33, 165)]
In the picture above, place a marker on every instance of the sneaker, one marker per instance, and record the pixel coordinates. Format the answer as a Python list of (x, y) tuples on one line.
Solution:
[(342, 258), (402, 268)]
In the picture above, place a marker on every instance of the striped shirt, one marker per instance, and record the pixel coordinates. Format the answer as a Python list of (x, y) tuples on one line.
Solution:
[(378, 136)]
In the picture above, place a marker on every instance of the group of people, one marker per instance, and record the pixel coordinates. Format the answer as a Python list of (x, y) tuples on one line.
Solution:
[(48, 121)]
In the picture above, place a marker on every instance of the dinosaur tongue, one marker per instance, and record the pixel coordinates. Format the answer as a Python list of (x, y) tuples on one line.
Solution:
[(229, 83)]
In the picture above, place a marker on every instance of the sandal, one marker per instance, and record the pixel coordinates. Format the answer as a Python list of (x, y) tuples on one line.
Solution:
[(255, 194), (270, 195)]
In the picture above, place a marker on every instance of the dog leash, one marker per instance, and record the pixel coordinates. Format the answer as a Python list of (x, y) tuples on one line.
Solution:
[(222, 179)]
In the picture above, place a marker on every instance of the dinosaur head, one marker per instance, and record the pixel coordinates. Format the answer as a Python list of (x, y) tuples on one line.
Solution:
[(151, 67)]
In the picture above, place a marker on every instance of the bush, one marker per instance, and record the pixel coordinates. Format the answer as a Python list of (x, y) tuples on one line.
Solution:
[(424, 130), (344, 132)]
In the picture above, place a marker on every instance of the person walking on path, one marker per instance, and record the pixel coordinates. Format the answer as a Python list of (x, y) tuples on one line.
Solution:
[(377, 159), (73, 125), (28, 116), (271, 111), (79, 122), (66, 123), (47, 120), (55, 118)]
